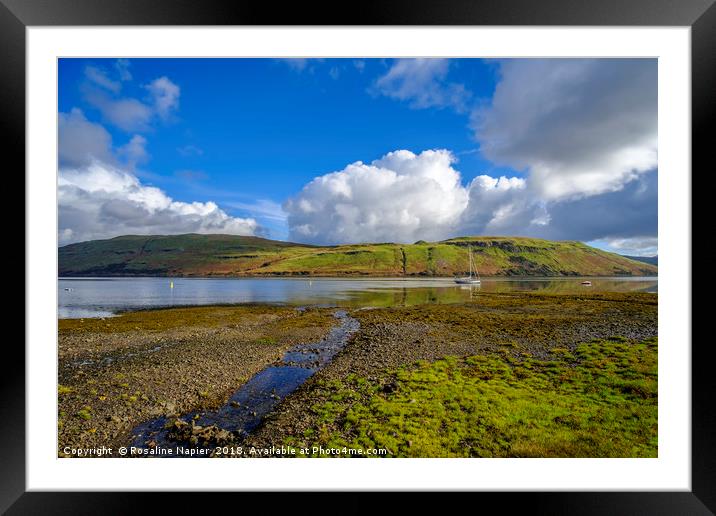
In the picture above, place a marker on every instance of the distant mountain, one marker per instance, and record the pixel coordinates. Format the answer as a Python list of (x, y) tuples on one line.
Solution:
[(653, 260), (229, 255)]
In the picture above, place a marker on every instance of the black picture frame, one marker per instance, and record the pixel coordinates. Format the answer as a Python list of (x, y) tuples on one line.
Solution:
[(700, 15)]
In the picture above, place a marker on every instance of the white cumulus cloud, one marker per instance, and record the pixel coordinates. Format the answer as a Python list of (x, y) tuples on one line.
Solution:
[(405, 197), (102, 201), (99, 192), (499, 206), (400, 197)]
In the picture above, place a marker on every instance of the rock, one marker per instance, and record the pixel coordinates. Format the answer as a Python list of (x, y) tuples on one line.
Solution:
[(390, 387)]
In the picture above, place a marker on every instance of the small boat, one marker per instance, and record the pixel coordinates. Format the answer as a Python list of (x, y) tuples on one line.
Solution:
[(587, 283), (68, 289), (470, 279)]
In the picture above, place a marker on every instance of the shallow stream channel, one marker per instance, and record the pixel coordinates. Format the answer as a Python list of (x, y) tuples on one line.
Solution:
[(198, 434)]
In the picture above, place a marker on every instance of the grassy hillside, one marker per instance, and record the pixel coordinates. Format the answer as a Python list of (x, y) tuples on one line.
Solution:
[(228, 255)]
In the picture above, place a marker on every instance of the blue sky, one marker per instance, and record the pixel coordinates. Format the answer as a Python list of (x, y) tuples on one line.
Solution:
[(234, 145)]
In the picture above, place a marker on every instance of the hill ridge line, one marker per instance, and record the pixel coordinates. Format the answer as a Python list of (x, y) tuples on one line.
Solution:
[(212, 255)]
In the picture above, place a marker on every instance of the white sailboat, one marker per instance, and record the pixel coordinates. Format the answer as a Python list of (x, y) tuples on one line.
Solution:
[(470, 279)]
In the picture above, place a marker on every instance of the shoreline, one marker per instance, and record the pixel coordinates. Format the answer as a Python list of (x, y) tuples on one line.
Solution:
[(118, 372), (317, 292), (359, 276), (510, 329), (250, 337)]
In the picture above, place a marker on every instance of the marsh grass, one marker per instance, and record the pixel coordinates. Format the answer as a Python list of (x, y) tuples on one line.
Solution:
[(598, 401)]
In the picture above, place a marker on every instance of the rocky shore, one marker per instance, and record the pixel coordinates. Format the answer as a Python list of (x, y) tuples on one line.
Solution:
[(511, 327), (117, 372), (121, 371)]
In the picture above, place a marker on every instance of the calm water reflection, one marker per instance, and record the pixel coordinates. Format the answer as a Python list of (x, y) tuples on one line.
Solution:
[(97, 297)]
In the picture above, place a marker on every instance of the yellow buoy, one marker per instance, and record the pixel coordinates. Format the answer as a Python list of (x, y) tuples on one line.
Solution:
[(171, 284)]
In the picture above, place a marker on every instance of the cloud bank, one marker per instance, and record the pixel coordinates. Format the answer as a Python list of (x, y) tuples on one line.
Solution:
[(101, 201), (582, 133), (405, 197), (99, 192), (579, 127), (400, 197)]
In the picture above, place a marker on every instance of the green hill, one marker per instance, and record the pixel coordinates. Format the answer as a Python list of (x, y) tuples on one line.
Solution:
[(229, 255)]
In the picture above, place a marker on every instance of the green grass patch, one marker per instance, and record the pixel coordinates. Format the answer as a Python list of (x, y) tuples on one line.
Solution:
[(598, 401), (63, 389), (85, 413)]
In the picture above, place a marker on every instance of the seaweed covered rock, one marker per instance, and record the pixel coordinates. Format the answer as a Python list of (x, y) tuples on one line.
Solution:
[(196, 435)]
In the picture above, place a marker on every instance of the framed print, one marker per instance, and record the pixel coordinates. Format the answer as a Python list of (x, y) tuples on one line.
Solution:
[(425, 237)]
